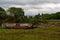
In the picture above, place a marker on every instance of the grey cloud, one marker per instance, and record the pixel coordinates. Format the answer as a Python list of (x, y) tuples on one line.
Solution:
[(29, 1), (33, 6)]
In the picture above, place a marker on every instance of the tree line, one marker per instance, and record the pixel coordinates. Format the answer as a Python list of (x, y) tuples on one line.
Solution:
[(16, 15)]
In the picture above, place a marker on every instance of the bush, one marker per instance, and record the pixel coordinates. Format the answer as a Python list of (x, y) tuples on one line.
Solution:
[(0, 26)]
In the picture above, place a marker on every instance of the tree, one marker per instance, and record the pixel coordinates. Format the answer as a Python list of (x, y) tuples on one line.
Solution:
[(18, 13), (37, 16), (3, 15), (57, 15), (31, 19)]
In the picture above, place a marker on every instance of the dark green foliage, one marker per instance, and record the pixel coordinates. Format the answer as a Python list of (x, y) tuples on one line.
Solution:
[(16, 15), (17, 12), (51, 16), (3, 15)]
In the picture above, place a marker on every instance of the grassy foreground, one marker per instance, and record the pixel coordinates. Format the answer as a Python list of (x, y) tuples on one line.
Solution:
[(42, 33)]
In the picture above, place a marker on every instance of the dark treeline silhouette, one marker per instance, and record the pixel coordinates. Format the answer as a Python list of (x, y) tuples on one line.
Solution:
[(16, 15)]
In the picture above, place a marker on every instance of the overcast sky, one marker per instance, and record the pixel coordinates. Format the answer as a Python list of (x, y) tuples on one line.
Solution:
[(33, 7)]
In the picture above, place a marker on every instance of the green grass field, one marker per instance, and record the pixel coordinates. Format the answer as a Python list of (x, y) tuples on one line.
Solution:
[(41, 33)]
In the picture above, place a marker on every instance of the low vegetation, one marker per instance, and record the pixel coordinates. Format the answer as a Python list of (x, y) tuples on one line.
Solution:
[(41, 33), (16, 15)]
